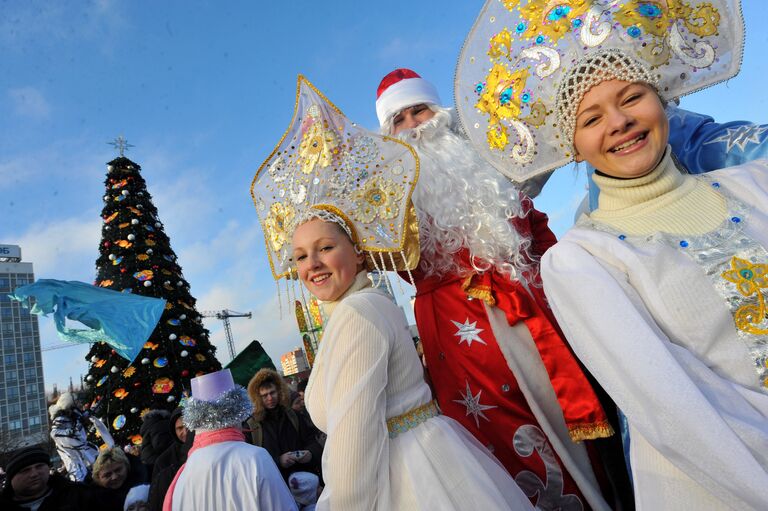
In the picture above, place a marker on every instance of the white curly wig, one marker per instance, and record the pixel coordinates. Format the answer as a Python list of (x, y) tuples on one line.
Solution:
[(462, 201)]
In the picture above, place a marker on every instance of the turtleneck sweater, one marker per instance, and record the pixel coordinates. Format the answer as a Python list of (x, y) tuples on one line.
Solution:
[(361, 282), (664, 200)]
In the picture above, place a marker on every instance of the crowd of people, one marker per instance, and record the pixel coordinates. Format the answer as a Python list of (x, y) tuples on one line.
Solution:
[(623, 367), (137, 478)]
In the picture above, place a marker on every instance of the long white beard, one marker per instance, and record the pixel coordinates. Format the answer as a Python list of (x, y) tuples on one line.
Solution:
[(463, 202)]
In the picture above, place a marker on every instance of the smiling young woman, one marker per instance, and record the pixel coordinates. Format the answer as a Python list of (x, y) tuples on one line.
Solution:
[(326, 258), (388, 446), (621, 129), (661, 293), (367, 392)]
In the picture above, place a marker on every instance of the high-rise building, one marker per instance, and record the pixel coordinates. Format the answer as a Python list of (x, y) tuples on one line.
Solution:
[(23, 411), (294, 362)]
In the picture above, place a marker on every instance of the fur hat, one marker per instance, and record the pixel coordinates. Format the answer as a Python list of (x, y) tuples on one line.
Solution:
[(135, 495), (267, 376), (65, 402), (400, 89)]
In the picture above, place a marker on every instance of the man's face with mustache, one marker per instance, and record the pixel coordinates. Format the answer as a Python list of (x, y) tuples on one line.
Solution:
[(409, 118)]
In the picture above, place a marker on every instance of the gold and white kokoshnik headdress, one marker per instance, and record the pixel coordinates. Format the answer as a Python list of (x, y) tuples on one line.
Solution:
[(325, 166), (526, 65)]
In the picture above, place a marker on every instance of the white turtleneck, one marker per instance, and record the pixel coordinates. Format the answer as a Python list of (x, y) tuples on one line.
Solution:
[(361, 282), (664, 200)]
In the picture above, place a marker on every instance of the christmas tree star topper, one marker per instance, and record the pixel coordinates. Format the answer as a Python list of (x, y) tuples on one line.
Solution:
[(121, 144)]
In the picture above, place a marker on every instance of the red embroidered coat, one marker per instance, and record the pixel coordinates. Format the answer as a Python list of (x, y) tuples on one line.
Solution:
[(474, 384)]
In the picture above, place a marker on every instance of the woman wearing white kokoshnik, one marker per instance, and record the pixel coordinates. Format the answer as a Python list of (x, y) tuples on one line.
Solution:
[(334, 200), (661, 291)]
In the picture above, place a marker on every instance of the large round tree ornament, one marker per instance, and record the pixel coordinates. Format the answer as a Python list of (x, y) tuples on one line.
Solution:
[(119, 422)]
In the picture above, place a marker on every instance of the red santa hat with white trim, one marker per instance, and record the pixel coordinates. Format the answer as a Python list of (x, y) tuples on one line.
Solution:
[(400, 89)]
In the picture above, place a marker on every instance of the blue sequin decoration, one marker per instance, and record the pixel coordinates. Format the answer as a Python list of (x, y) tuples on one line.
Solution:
[(649, 10), (479, 88), (525, 97), (622, 237), (577, 22), (559, 12), (684, 244), (540, 39), (735, 219), (715, 185), (634, 32), (520, 28), (506, 96)]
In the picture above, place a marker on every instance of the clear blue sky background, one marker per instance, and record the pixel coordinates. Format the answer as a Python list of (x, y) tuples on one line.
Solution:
[(204, 90)]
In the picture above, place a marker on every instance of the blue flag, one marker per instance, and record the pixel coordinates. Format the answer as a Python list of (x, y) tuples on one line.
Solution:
[(122, 320)]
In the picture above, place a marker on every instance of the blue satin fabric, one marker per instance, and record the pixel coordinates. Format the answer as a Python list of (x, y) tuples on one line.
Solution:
[(122, 320)]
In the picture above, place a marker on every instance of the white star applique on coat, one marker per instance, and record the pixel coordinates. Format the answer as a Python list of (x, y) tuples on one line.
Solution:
[(740, 136), (468, 332), (473, 405)]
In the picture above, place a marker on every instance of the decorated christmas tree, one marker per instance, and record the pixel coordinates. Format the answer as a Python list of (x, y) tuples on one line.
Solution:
[(136, 257)]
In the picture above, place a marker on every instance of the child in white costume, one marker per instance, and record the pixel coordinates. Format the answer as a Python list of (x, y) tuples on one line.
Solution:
[(333, 199), (660, 291)]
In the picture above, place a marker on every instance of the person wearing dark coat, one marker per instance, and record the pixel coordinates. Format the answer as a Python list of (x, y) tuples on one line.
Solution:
[(178, 433), (170, 461), (288, 437), (163, 476), (155, 436), (29, 483)]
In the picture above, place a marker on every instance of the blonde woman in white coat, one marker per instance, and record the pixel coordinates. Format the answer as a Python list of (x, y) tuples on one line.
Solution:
[(388, 447)]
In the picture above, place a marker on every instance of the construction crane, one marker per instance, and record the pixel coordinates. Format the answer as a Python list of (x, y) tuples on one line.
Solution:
[(59, 346), (224, 315)]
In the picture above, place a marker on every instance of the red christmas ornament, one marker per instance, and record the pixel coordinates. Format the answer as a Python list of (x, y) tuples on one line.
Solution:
[(122, 270), (185, 373), (137, 384), (106, 244), (114, 352)]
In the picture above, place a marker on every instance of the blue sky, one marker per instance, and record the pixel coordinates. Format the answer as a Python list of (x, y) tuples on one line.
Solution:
[(204, 90)]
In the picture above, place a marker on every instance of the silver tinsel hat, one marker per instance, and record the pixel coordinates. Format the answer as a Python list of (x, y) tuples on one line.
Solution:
[(509, 86), (216, 403)]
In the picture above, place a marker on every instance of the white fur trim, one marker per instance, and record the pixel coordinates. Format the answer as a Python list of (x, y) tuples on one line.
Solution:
[(405, 93), (137, 494), (65, 402)]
